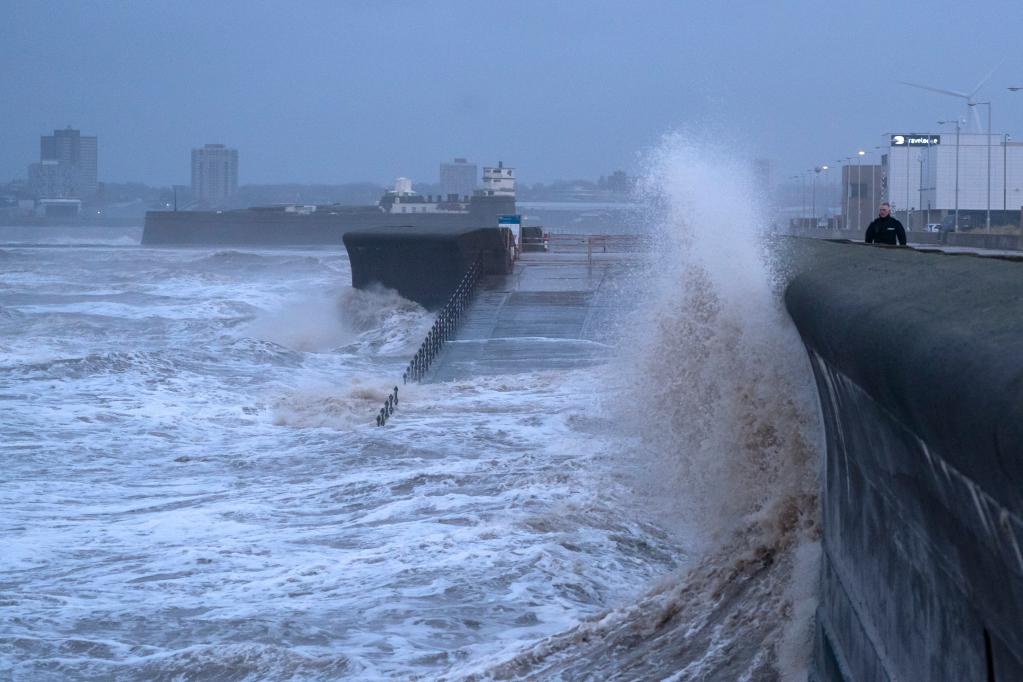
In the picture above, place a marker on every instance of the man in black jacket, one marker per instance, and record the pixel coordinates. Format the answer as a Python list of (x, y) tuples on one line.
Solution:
[(885, 229)]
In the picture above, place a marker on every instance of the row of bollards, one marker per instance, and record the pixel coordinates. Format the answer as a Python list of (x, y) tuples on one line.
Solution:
[(444, 326), (390, 405), (443, 329)]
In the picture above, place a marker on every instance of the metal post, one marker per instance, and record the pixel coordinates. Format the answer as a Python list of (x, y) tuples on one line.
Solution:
[(908, 227), (802, 185), (873, 198), (989, 166), (813, 197), (957, 174), (859, 199), (1005, 175)]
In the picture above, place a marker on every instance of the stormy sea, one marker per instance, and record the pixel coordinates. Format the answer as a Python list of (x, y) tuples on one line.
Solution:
[(194, 487)]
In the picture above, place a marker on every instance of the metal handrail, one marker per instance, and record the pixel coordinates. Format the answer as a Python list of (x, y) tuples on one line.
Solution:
[(444, 327)]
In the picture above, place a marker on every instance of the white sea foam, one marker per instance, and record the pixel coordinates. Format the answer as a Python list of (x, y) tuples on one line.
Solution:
[(194, 484)]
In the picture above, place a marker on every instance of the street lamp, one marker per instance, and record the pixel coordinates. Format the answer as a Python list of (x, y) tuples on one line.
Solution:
[(826, 191), (973, 104), (813, 193), (1005, 149), (802, 185), (958, 123), (821, 169), (859, 189), (848, 191), (873, 182), (840, 190), (1005, 173)]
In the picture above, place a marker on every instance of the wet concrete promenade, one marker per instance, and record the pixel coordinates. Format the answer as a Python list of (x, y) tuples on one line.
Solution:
[(555, 311)]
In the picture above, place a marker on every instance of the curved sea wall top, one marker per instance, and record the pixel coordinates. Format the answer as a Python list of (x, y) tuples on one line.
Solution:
[(918, 359)]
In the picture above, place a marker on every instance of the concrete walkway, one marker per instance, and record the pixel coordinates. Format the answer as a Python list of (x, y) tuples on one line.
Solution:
[(555, 311)]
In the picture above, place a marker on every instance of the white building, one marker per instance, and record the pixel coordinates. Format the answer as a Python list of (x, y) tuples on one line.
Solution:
[(214, 173), (920, 175), (499, 181)]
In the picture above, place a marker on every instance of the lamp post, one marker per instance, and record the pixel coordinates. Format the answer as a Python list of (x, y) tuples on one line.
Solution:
[(848, 192), (859, 189), (813, 193), (1005, 179), (802, 184), (821, 169), (909, 161), (796, 177), (958, 123), (973, 104), (1005, 173), (873, 182), (838, 190)]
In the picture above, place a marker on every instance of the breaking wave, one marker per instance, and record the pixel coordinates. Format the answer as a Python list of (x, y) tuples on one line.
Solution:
[(374, 321), (718, 394)]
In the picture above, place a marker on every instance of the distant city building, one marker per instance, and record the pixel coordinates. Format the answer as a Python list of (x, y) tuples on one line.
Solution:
[(458, 178), (214, 173), (926, 176), (67, 167), (918, 178)]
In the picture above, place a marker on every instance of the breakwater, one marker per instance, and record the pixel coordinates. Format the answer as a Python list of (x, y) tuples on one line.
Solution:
[(427, 265), (277, 226), (918, 366)]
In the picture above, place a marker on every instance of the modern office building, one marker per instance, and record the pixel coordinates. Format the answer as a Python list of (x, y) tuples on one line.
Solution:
[(921, 177), (458, 178), (68, 166), (214, 174)]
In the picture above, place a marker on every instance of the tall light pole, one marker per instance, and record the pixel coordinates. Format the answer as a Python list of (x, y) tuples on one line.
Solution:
[(1005, 178), (873, 182), (848, 191), (826, 192), (848, 166), (813, 193), (802, 184), (838, 191), (908, 163), (821, 169), (973, 104), (1005, 173), (958, 123), (859, 189)]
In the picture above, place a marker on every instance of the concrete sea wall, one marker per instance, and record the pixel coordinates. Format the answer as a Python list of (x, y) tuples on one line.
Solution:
[(325, 226), (971, 240), (918, 360)]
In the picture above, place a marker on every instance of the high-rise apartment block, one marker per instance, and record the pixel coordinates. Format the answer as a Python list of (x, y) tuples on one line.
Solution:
[(214, 173), (67, 166), (458, 178)]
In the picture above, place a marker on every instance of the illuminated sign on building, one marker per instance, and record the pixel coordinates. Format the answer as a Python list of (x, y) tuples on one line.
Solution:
[(915, 140)]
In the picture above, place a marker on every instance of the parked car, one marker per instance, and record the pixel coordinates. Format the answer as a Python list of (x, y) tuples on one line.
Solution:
[(934, 227)]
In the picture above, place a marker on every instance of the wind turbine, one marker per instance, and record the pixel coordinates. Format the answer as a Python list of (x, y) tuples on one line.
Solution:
[(970, 102)]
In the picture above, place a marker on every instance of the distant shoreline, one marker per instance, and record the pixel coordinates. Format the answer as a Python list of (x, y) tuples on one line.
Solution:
[(72, 222)]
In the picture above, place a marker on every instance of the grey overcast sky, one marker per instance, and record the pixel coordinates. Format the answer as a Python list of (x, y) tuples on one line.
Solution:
[(332, 92)]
